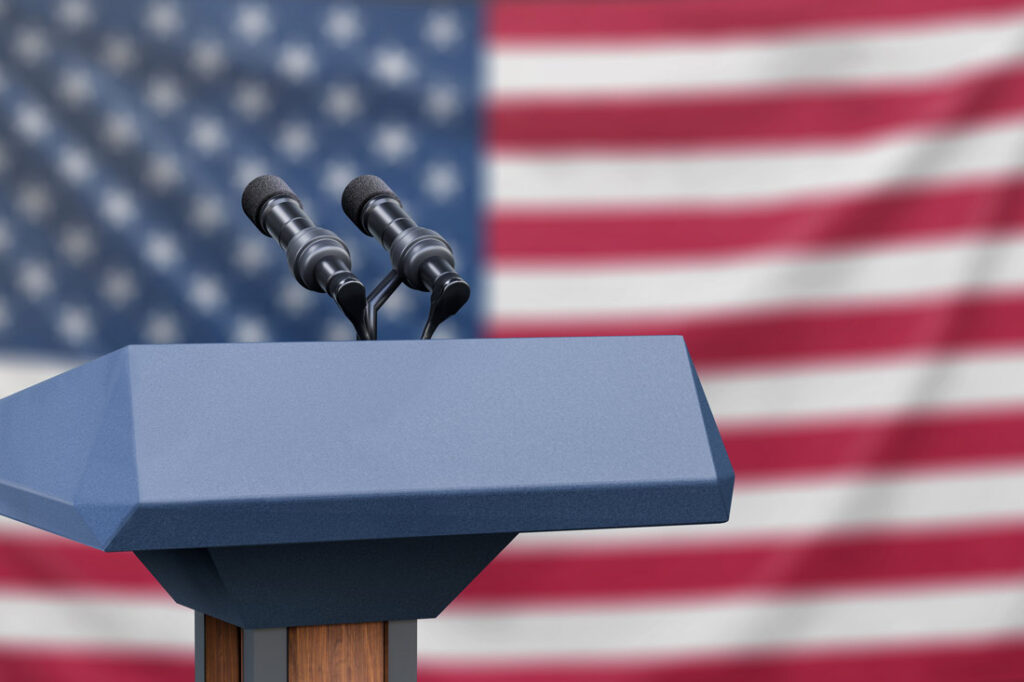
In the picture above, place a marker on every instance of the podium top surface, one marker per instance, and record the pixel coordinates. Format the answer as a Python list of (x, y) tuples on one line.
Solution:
[(206, 445)]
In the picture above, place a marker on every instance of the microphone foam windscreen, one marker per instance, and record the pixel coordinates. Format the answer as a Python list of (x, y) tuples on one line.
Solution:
[(361, 190), (260, 190)]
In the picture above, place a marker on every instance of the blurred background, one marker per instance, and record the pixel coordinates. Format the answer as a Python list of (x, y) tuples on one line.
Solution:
[(826, 199)]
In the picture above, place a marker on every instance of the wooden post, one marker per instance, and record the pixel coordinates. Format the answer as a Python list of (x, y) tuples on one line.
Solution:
[(351, 652), (223, 651)]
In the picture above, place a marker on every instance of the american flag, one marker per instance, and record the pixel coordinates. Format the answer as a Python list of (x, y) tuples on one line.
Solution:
[(825, 198)]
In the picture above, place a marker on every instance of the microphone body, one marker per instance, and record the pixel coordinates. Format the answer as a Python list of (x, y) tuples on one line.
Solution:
[(420, 256), (318, 258)]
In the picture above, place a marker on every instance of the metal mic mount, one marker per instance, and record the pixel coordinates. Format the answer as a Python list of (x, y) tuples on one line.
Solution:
[(321, 261)]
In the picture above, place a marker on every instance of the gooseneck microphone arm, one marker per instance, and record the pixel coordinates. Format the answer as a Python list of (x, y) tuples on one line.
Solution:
[(420, 257), (318, 258)]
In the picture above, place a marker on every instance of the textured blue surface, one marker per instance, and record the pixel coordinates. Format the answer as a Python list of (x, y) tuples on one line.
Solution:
[(319, 583), (197, 446)]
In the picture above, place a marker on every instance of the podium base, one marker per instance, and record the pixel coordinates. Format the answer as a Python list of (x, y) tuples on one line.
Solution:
[(350, 652)]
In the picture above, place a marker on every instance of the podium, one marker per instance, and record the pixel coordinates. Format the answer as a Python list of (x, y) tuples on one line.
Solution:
[(311, 501)]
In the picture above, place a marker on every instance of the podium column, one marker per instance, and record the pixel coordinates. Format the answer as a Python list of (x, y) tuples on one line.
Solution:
[(349, 652)]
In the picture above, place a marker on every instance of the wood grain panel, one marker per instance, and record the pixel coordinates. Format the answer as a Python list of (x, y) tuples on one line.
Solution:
[(223, 651), (354, 652)]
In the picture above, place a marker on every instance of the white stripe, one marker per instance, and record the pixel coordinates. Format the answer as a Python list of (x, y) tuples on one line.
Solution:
[(668, 628), (717, 177), (9, 528), (892, 386), (680, 628), (829, 58), (757, 282), (21, 370), (805, 507), (104, 622)]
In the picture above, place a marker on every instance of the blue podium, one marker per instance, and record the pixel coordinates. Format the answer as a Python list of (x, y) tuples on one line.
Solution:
[(279, 487)]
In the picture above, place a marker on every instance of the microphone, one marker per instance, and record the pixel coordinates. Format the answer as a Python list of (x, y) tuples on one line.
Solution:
[(318, 258), (420, 257)]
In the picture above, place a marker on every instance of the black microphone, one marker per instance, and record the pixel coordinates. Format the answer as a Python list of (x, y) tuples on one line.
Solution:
[(318, 258), (421, 258)]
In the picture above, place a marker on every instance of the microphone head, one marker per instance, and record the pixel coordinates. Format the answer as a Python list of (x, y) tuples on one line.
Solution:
[(361, 190), (260, 191)]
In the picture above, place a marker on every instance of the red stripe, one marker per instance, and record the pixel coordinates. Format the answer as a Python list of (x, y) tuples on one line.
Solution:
[(54, 563), (567, 20), (969, 322), (758, 566), (992, 661), (615, 235), (750, 119), (34, 665), (897, 443)]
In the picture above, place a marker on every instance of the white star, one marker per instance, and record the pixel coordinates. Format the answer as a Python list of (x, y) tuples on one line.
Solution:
[(252, 22), (393, 142), (76, 244), (164, 93), (119, 53), (75, 324), (296, 62), (207, 134), (74, 15), (251, 255), (206, 294), (6, 236), (31, 45), (251, 99), (448, 330), (163, 19), (161, 251), (75, 87), (338, 330), (400, 303), (246, 169), (207, 58), (161, 327), (206, 214), (342, 102), (342, 26), (118, 207), (442, 102), (293, 299), (441, 181), (34, 279), (32, 122), (34, 200), (162, 172), (335, 175), (393, 66), (295, 140), (442, 29), (249, 329), (75, 164), (118, 287), (120, 130)]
